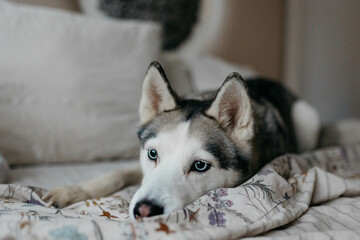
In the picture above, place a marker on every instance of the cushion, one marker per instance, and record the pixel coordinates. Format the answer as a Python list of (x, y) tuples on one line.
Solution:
[(70, 85)]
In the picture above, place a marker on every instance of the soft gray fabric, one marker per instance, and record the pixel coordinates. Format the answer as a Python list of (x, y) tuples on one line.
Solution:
[(343, 132), (49, 176), (4, 170)]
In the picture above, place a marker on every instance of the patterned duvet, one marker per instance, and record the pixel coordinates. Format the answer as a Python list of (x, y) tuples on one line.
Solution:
[(310, 196)]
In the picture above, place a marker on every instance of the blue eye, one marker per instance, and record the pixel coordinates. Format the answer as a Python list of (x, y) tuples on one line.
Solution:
[(152, 154), (200, 166)]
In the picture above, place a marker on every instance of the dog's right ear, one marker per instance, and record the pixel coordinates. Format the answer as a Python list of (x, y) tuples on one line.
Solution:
[(232, 109), (157, 94)]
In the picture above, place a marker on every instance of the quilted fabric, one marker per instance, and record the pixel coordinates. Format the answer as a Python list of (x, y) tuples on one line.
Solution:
[(310, 195)]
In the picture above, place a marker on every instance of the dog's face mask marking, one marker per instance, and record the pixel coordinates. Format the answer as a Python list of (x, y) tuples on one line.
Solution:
[(189, 147)]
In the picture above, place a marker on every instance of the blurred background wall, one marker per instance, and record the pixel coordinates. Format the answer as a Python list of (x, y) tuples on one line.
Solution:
[(311, 46), (252, 34), (322, 55)]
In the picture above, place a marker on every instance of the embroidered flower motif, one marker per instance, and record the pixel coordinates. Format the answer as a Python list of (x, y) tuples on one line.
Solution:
[(33, 201), (216, 196), (106, 214), (286, 196), (216, 218), (229, 203), (222, 192), (164, 228)]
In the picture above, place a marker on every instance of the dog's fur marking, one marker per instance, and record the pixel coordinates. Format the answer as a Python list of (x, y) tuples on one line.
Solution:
[(171, 184)]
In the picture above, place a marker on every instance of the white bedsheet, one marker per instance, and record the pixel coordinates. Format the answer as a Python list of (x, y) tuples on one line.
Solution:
[(54, 175), (310, 196)]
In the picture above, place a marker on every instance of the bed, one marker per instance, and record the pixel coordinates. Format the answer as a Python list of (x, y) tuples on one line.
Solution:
[(314, 195)]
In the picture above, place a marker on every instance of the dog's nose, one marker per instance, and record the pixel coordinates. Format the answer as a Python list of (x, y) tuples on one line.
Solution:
[(146, 208)]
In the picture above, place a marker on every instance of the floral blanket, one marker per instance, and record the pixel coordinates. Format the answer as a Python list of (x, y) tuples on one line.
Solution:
[(313, 195)]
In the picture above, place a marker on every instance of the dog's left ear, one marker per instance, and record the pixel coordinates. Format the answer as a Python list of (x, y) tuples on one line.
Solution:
[(157, 94), (232, 109)]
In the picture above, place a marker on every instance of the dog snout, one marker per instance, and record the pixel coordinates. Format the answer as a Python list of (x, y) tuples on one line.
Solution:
[(147, 208)]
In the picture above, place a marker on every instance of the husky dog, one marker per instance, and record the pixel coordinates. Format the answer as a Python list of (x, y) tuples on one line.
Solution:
[(192, 145)]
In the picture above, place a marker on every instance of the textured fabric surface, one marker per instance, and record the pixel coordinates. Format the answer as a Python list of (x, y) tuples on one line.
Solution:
[(4, 170), (70, 85), (314, 195), (55, 175)]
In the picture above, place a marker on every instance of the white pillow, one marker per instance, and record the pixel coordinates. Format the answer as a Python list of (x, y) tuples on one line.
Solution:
[(69, 85)]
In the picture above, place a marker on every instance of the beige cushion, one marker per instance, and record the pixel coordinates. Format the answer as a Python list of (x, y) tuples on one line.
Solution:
[(69, 85)]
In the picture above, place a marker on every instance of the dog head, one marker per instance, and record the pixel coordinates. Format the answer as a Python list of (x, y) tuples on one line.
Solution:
[(189, 147)]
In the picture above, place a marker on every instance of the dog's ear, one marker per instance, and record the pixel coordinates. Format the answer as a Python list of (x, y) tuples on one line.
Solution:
[(157, 94), (232, 109)]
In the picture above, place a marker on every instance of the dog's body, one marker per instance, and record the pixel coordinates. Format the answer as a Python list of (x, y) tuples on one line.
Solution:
[(192, 145)]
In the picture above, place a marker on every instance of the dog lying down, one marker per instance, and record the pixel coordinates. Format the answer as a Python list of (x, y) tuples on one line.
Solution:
[(192, 145)]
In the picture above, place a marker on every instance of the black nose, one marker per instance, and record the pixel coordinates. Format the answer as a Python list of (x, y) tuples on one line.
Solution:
[(146, 208)]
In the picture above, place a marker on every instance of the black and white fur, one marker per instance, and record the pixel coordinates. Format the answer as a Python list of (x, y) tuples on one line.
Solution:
[(190, 146)]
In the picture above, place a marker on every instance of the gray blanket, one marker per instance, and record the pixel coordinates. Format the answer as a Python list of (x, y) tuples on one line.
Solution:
[(4, 170), (315, 195)]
